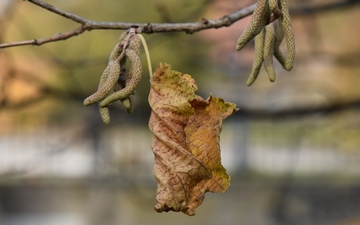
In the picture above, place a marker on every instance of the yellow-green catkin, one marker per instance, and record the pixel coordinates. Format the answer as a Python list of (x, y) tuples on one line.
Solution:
[(268, 51), (258, 21), (259, 52)]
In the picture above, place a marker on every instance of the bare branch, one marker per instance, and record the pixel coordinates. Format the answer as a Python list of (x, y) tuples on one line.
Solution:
[(56, 37), (88, 25)]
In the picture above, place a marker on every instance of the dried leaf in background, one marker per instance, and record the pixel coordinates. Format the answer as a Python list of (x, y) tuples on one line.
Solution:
[(186, 146)]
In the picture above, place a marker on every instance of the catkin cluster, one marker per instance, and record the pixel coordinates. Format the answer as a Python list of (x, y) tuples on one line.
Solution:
[(268, 37), (117, 82)]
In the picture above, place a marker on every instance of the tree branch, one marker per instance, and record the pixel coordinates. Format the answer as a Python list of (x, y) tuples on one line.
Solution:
[(56, 37), (88, 25)]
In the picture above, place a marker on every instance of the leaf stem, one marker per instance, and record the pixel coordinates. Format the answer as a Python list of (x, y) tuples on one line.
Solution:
[(146, 53)]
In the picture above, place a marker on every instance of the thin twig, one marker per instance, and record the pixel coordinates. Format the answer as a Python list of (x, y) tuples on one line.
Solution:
[(56, 37), (88, 25)]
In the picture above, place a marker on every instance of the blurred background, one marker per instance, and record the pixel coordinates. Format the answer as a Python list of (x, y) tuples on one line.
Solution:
[(292, 150)]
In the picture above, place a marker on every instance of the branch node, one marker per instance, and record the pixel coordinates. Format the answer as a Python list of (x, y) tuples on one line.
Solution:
[(274, 15), (226, 20), (35, 42), (148, 28), (86, 26), (136, 28), (204, 21)]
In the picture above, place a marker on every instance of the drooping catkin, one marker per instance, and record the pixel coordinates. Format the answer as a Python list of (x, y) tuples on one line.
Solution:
[(268, 51), (136, 73), (112, 71), (115, 83), (279, 36), (105, 115), (259, 52), (127, 102), (258, 21), (273, 5), (289, 35), (267, 39)]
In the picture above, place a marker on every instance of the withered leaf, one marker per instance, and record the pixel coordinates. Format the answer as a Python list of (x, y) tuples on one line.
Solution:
[(186, 138)]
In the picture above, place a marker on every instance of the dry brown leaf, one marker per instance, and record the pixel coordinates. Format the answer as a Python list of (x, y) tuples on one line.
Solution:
[(186, 147)]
